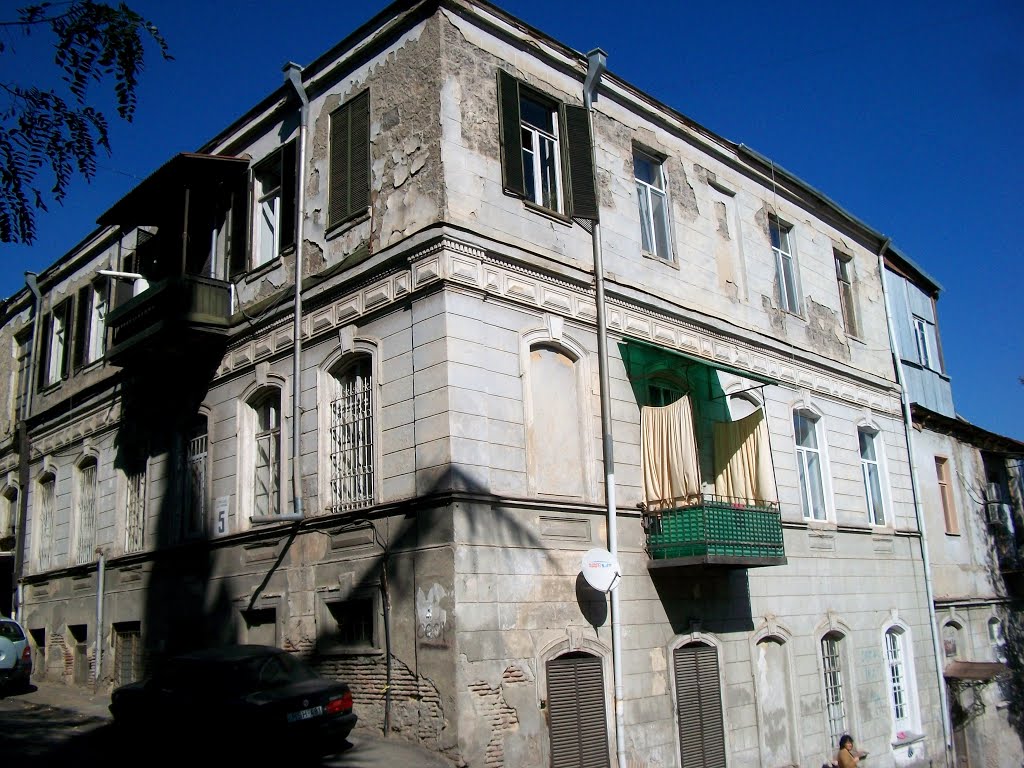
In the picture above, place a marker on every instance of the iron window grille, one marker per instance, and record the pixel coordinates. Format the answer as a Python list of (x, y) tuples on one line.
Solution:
[(351, 440), (135, 510), (268, 457), (86, 513), (897, 679), (46, 504), (835, 706)]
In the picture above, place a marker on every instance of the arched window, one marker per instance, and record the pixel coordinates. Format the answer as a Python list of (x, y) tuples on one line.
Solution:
[(8, 518), (85, 511), (775, 701), (900, 678), (810, 461), (577, 719), (556, 431), (351, 435), (951, 641), (996, 639), (699, 712), (44, 508), (834, 678), (266, 413), (193, 476)]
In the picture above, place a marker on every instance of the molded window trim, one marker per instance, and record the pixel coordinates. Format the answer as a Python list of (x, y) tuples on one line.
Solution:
[(812, 464), (873, 472)]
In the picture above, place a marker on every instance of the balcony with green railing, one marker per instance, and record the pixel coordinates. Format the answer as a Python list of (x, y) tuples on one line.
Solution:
[(716, 530)]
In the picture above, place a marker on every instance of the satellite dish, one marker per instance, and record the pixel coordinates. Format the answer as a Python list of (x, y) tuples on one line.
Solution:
[(601, 570)]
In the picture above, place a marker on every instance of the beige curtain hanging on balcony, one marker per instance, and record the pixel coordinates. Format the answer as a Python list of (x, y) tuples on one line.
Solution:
[(669, 455), (743, 462)]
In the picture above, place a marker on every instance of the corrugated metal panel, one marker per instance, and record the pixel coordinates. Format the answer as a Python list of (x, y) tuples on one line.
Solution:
[(699, 704), (576, 709)]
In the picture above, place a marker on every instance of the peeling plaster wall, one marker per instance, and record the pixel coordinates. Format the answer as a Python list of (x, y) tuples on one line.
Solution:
[(724, 272)]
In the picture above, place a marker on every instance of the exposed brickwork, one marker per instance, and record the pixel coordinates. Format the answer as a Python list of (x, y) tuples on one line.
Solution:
[(415, 702), (499, 716)]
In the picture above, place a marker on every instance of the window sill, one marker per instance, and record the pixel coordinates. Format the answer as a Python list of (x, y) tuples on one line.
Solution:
[(669, 262), (906, 738), (351, 650), (953, 533), (257, 272), (561, 218), (341, 227)]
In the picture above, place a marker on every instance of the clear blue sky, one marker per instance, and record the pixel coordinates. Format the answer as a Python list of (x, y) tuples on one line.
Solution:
[(907, 114)]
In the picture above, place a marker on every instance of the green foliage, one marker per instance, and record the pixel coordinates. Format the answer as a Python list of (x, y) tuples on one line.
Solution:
[(94, 43)]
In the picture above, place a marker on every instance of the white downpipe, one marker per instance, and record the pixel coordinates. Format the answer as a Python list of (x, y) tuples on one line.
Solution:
[(102, 570), (596, 66), (908, 427)]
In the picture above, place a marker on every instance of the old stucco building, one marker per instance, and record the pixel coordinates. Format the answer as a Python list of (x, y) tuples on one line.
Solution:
[(400, 484)]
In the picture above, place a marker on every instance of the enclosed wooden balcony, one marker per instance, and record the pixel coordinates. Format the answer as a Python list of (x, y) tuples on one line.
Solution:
[(716, 530), (177, 314)]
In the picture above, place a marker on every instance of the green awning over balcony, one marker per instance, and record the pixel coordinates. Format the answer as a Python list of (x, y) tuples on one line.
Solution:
[(641, 357)]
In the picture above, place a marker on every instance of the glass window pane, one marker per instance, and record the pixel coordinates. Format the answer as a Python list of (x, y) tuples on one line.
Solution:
[(816, 491), (645, 170), (548, 172), (537, 115), (646, 235), (660, 222)]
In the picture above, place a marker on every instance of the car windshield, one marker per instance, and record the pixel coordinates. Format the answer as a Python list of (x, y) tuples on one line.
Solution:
[(11, 631)]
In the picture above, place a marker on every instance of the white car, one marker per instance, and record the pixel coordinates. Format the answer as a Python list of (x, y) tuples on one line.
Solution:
[(15, 655)]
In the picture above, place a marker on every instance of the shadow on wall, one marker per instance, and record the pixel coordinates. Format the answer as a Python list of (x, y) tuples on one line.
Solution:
[(705, 599)]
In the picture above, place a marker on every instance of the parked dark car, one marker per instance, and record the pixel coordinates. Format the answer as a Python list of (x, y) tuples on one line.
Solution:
[(256, 696)]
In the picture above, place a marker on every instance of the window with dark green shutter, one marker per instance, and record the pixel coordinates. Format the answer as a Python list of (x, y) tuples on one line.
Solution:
[(349, 189), (699, 707), (546, 155)]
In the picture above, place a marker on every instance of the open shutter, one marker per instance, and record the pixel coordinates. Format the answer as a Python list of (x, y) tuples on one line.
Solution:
[(42, 368), (84, 306), (69, 316), (238, 246), (699, 707), (578, 162), (510, 132), (289, 200), (576, 708)]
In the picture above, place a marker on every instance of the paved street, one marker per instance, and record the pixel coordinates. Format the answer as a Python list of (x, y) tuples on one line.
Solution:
[(53, 725)]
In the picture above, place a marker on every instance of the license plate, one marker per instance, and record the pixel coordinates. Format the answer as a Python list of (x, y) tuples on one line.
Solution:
[(305, 714)]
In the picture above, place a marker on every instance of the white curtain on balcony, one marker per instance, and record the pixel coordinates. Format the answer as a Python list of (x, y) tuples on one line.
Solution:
[(743, 460), (669, 455)]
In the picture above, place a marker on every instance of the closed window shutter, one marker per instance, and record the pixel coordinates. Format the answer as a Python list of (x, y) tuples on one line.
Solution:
[(42, 370), (576, 709), (82, 325), (699, 707), (576, 140), (238, 244), (288, 194), (349, 192), (510, 135)]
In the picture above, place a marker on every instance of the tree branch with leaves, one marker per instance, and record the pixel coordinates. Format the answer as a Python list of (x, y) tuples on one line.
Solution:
[(44, 132)]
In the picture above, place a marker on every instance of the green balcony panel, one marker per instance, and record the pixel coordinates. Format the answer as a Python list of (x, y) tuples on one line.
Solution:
[(716, 530)]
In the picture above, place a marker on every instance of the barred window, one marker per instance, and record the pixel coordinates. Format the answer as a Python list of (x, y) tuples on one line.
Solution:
[(127, 652), (135, 509), (351, 437), (894, 656), (267, 477), (47, 488), (86, 512), (835, 706), (194, 479)]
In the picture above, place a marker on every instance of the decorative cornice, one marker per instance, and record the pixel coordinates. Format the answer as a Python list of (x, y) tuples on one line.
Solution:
[(452, 261)]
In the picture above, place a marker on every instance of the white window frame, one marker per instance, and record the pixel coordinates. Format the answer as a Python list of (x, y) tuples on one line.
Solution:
[(803, 460), (135, 489), (351, 434), (781, 237), (266, 197), (847, 303), (86, 500), (55, 351), (877, 465), (46, 488), (651, 223), (534, 139), (97, 345), (900, 681), (923, 342), (267, 442), (834, 686)]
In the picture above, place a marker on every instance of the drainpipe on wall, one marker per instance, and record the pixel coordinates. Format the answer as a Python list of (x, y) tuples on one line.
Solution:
[(908, 427), (101, 571), (293, 73), (596, 66), (25, 449)]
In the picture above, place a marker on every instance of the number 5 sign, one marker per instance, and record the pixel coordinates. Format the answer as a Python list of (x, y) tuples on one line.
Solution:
[(219, 524)]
